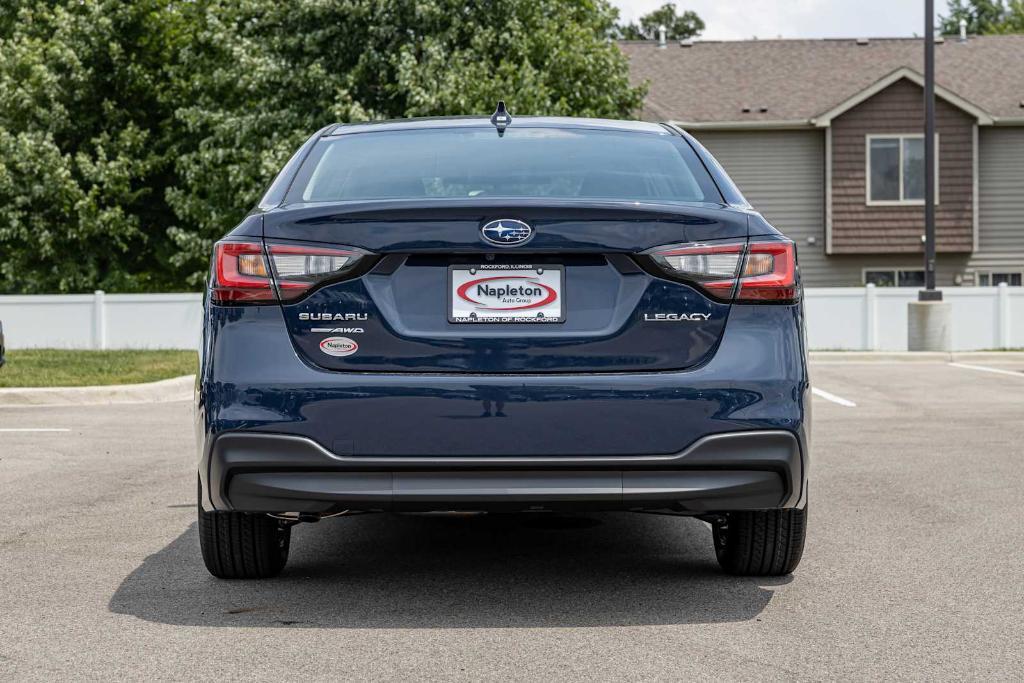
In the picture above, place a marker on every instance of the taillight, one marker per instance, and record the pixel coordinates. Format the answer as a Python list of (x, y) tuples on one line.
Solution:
[(240, 273), (298, 268), (756, 272), (243, 274), (769, 274), (712, 266)]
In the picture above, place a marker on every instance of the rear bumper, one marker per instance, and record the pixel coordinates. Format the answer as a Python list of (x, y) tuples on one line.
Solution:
[(252, 380), (262, 472)]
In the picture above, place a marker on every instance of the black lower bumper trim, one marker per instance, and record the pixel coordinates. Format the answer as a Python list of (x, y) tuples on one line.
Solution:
[(259, 472), (695, 491)]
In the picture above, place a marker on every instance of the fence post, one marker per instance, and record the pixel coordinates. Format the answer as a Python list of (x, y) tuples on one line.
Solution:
[(99, 320), (1003, 315), (870, 318)]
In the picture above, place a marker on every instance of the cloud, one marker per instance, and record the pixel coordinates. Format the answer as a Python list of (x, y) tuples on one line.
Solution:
[(740, 19)]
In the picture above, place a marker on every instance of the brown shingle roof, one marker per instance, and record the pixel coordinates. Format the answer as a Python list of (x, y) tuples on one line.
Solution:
[(797, 80)]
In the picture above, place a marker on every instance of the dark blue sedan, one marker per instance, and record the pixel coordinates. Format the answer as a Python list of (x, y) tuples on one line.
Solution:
[(528, 315)]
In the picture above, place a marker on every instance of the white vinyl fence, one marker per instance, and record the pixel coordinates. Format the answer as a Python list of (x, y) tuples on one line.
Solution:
[(849, 318), (875, 318), (102, 321)]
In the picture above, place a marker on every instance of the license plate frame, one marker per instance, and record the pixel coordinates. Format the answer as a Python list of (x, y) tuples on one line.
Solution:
[(540, 277)]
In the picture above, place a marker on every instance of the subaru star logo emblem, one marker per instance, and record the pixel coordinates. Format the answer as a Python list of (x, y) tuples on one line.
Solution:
[(506, 232)]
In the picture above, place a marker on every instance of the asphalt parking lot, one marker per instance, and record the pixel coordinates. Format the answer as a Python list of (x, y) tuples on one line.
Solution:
[(913, 568)]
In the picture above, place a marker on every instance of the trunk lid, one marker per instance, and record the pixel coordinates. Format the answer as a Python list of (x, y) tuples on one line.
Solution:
[(603, 311)]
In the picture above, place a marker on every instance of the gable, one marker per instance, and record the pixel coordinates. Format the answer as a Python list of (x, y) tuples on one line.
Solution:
[(805, 83), (902, 77), (859, 227)]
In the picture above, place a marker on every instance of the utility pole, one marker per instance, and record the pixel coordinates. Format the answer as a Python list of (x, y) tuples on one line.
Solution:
[(929, 319), (929, 293)]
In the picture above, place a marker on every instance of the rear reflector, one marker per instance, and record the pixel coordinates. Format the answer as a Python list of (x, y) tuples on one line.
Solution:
[(764, 271), (242, 272)]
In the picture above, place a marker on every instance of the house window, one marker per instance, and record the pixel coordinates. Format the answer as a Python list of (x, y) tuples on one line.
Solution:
[(895, 170), (894, 277), (994, 279)]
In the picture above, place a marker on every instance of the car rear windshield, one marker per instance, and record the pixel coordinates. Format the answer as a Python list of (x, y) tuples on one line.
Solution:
[(525, 162)]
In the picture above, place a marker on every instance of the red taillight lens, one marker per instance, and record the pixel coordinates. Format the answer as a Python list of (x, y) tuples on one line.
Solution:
[(765, 271), (769, 273), (298, 267), (241, 273)]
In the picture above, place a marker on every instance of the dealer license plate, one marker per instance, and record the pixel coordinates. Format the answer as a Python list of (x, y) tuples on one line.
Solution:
[(504, 293)]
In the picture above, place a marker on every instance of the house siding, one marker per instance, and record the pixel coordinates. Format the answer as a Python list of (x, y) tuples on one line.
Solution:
[(1000, 200), (782, 173), (847, 270), (858, 228)]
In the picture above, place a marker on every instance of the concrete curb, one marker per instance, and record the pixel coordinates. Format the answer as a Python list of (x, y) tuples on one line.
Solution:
[(917, 356), (174, 389)]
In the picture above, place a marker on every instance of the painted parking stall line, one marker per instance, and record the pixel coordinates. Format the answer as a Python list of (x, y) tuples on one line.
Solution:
[(982, 368), (846, 403)]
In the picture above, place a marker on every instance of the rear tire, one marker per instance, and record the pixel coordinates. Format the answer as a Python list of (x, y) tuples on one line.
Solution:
[(763, 543), (240, 545)]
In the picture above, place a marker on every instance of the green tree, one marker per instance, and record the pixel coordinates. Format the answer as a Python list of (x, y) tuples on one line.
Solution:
[(984, 16), (1014, 21), (133, 133), (259, 76), (83, 145), (677, 26)]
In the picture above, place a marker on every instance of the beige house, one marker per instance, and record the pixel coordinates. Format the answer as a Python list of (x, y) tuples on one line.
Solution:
[(825, 138)]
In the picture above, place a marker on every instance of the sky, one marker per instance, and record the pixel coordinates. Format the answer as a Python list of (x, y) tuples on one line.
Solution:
[(739, 19)]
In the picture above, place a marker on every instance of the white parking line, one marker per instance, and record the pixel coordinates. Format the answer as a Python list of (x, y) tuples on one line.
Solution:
[(832, 397), (982, 368), (33, 429)]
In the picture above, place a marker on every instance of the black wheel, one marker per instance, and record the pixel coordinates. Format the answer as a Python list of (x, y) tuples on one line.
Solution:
[(764, 543), (240, 545)]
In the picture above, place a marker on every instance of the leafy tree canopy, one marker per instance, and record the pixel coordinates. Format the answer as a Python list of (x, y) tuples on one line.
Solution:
[(82, 134), (677, 26), (134, 133), (259, 76), (985, 16)]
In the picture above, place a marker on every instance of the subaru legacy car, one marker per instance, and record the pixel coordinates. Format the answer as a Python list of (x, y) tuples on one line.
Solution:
[(526, 315)]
